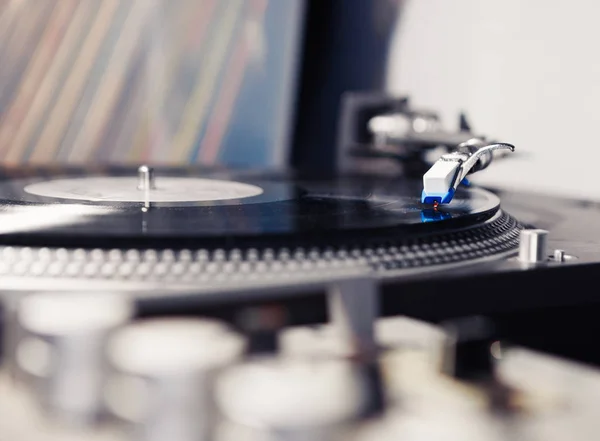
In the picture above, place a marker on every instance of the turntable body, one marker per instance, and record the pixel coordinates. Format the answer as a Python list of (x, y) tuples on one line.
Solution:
[(220, 235), (270, 254)]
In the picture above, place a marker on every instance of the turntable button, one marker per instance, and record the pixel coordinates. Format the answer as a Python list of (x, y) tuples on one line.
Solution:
[(162, 374), (61, 349), (272, 398), (533, 246), (559, 255)]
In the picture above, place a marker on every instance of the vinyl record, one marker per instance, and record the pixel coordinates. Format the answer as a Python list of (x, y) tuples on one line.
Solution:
[(198, 207)]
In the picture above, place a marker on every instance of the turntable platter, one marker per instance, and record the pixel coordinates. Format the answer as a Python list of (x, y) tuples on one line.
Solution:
[(221, 228), (186, 209)]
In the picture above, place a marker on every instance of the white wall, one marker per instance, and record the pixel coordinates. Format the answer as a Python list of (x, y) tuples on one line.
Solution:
[(525, 71)]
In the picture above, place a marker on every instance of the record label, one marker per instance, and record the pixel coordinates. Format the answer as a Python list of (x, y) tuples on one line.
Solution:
[(125, 189)]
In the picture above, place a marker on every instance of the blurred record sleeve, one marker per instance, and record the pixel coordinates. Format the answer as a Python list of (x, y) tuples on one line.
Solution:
[(163, 81)]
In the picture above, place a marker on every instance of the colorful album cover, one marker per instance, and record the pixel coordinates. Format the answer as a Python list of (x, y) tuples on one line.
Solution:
[(160, 81)]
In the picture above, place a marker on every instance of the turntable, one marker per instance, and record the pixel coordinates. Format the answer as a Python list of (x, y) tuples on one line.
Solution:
[(390, 298), (222, 234), (237, 245)]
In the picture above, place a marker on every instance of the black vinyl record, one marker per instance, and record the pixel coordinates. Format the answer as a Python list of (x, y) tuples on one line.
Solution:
[(199, 207)]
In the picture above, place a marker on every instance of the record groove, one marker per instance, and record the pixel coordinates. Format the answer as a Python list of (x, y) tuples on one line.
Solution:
[(284, 211)]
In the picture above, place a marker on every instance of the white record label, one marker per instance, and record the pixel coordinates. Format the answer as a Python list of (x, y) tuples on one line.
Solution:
[(125, 189)]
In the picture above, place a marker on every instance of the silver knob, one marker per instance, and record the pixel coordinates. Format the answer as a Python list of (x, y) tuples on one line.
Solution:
[(533, 246), (162, 376), (283, 399), (559, 255), (146, 183), (146, 180), (60, 349)]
